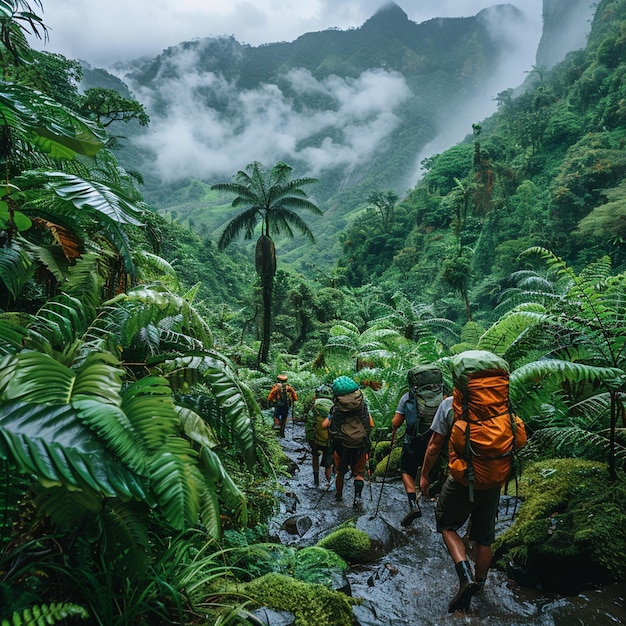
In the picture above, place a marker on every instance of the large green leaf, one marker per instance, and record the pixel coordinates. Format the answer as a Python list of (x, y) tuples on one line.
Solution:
[(36, 377), (235, 409), (50, 443), (47, 125)]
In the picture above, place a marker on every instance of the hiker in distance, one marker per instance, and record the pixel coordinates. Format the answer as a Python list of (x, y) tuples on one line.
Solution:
[(349, 425), (283, 397), (478, 409), (317, 435), (416, 408)]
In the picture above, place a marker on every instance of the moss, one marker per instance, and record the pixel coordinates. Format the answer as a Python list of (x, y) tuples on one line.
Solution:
[(317, 565), (349, 543), (312, 605), (571, 528), (394, 463), (312, 565)]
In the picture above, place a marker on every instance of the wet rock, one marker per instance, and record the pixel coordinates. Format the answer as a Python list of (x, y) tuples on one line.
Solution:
[(384, 537), (269, 617), (340, 582), (365, 616), (297, 525)]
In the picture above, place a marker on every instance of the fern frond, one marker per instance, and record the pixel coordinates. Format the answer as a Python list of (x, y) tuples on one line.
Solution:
[(47, 614)]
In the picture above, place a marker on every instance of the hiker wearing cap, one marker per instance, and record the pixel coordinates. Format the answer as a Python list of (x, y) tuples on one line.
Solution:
[(283, 397), (416, 408), (349, 425), (317, 435), (483, 436)]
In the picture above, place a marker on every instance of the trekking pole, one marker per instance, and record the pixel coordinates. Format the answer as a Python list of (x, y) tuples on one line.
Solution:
[(369, 474), (330, 484), (393, 439)]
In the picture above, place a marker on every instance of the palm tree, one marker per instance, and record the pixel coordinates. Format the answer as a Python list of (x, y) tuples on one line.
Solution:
[(271, 199)]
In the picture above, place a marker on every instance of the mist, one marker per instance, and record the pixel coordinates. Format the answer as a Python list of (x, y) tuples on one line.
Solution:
[(193, 140)]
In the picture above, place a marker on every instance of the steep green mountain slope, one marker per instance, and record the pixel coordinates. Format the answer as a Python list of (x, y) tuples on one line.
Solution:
[(548, 169), (371, 98)]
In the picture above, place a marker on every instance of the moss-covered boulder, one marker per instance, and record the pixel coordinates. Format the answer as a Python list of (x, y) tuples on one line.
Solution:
[(570, 532), (349, 543), (312, 604), (393, 460)]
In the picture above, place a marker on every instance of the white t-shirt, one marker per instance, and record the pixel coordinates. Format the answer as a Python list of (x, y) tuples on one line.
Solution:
[(442, 422)]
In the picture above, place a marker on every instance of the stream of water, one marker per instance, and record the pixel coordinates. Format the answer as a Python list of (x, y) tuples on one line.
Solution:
[(414, 580)]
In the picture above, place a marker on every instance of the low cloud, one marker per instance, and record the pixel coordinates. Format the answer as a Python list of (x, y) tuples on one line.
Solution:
[(265, 124)]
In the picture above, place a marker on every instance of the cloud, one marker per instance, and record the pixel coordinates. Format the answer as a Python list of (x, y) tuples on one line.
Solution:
[(265, 124), (103, 33)]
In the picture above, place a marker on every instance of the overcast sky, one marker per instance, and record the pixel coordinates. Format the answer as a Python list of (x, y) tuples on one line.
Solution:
[(103, 32)]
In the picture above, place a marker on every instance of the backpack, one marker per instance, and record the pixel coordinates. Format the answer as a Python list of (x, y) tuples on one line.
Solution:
[(425, 396), (485, 435), (350, 421), (283, 396)]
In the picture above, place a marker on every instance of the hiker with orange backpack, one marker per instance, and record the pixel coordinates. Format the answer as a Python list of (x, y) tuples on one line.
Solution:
[(283, 397), (483, 437), (349, 425), (416, 408)]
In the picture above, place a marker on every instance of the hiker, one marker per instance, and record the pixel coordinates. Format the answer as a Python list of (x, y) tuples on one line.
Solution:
[(479, 407), (283, 396), (349, 425), (417, 408), (317, 435)]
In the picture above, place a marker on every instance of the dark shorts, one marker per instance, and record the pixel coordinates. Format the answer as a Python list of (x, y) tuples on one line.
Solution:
[(350, 458), (454, 508), (281, 412), (326, 452), (412, 455)]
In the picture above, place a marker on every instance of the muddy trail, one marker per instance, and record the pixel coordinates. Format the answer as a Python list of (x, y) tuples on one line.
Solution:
[(411, 578)]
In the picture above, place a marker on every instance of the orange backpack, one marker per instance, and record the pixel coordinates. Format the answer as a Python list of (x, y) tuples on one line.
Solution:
[(485, 435)]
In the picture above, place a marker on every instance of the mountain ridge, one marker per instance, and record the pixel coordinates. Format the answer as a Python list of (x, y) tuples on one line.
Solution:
[(429, 73)]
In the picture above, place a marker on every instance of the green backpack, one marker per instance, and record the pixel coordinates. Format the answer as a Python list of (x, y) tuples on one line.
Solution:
[(425, 396)]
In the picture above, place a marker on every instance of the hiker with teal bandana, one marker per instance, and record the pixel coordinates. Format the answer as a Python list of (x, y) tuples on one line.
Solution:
[(349, 425)]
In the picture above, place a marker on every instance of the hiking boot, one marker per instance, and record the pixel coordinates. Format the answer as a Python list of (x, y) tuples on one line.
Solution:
[(412, 515), (358, 503), (467, 588), (316, 481), (338, 497)]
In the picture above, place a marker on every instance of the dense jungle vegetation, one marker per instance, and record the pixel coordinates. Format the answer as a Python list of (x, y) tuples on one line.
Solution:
[(137, 462)]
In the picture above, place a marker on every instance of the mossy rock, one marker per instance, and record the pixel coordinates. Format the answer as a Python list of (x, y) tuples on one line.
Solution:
[(312, 604), (570, 532), (394, 464), (349, 543)]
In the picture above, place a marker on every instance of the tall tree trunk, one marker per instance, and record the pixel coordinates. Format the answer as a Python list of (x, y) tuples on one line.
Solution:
[(265, 262), (267, 284)]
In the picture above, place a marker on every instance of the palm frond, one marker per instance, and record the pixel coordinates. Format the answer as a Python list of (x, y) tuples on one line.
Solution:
[(230, 494), (16, 268), (49, 442), (232, 420)]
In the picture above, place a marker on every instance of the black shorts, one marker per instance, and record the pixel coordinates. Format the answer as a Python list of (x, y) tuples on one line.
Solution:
[(412, 455), (281, 413), (326, 450), (454, 508)]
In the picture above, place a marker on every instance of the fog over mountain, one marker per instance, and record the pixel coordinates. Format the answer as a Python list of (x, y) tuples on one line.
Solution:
[(359, 109)]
